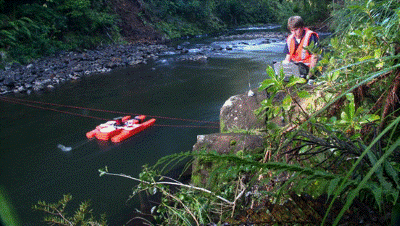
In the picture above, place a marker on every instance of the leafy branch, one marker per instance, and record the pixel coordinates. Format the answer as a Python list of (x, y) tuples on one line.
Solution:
[(56, 214), (276, 84), (154, 184), (151, 182)]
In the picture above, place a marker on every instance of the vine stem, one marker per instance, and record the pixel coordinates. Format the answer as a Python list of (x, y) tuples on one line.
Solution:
[(59, 213), (184, 206), (169, 183)]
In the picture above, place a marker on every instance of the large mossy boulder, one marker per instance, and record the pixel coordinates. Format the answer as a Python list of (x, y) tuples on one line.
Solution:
[(237, 113), (240, 129)]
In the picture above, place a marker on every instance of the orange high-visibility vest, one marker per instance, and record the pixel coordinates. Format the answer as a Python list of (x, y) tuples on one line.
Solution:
[(300, 54)]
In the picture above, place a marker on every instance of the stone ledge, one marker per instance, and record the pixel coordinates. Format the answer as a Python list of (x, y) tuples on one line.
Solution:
[(222, 143), (225, 143)]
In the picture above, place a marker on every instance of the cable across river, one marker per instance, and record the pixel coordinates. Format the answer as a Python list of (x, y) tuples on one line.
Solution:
[(41, 105)]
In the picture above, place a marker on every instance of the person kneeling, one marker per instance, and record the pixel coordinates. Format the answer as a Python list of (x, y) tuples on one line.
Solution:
[(299, 38)]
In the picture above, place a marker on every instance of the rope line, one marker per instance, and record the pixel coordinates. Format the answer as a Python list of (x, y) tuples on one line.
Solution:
[(108, 111), (52, 109), (28, 104), (210, 127)]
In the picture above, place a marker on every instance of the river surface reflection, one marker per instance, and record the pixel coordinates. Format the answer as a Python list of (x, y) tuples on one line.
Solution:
[(34, 167)]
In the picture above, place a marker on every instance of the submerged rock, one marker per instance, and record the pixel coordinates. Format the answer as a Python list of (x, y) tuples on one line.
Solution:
[(197, 58), (64, 148)]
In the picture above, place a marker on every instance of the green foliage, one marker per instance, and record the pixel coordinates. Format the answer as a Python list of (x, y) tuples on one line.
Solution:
[(15, 32), (366, 54), (34, 30), (56, 213), (196, 17), (382, 190), (87, 16), (312, 12), (8, 216), (233, 12), (352, 118), (189, 206), (177, 28), (363, 59), (277, 87), (184, 18)]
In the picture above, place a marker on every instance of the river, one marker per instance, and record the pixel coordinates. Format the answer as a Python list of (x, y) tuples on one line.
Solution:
[(34, 168)]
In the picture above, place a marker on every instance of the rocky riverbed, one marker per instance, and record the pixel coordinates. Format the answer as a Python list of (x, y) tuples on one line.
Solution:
[(49, 72), (52, 71)]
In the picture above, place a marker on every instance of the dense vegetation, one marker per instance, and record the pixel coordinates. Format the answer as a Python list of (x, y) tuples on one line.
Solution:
[(34, 28), (31, 29), (343, 144)]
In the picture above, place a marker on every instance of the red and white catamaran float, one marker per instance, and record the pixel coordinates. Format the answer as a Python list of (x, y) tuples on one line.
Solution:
[(121, 128)]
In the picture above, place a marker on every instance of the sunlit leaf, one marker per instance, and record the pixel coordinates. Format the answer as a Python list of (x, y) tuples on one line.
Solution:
[(380, 65), (303, 150), (266, 84), (378, 53), (304, 94), (276, 110), (287, 102), (270, 71), (365, 58), (293, 80), (370, 118)]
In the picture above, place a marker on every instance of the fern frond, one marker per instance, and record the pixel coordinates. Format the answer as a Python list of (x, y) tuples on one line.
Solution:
[(170, 161), (366, 178)]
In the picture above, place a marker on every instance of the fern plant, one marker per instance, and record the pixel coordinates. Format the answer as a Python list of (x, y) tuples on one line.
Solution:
[(56, 213)]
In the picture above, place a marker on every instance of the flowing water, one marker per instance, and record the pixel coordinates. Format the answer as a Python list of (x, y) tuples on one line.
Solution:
[(45, 154)]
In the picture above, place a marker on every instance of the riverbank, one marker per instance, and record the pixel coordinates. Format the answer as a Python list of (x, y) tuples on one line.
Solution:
[(52, 71)]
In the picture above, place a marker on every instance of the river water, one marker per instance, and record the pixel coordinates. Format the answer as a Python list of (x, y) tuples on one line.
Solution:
[(34, 168)]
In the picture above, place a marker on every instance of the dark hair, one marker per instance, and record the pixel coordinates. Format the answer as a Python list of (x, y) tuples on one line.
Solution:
[(295, 22)]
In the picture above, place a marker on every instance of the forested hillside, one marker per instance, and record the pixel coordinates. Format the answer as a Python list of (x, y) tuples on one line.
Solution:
[(35, 28)]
